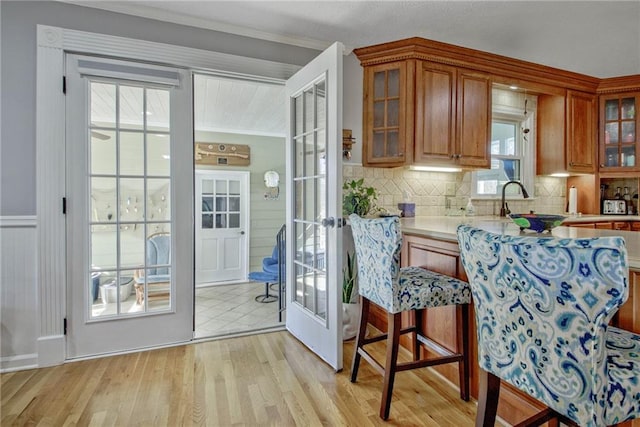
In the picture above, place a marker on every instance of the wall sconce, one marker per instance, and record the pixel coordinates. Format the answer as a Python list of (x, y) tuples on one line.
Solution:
[(347, 141), (272, 181)]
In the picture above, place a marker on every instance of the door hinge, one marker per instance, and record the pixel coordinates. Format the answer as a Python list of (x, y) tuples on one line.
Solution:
[(64, 326), (64, 205), (64, 84)]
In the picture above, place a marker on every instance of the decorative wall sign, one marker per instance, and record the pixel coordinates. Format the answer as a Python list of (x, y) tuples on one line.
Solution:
[(217, 154)]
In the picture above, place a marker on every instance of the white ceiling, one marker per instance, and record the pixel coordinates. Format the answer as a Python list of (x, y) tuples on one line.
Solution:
[(238, 106), (597, 38)]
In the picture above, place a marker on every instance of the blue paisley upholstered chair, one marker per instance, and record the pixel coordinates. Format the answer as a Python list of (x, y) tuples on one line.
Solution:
[(381, 281), (543, 307)]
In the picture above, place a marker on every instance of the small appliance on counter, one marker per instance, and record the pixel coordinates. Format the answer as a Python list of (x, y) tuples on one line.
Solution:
[(407, 209), (614, 207)]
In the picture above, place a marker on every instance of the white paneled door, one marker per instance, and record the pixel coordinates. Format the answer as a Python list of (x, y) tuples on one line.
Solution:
[(222, 226), (314, 208), (129, 214)]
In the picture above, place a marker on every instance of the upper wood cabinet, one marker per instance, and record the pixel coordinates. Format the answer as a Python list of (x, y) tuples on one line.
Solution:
[(567, 133), (422, 108), (387, 114), (582, 137), (452, 116), (421, 112), (619, 136)]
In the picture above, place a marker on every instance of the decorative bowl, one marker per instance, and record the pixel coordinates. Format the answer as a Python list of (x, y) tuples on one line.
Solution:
[(536, 222)]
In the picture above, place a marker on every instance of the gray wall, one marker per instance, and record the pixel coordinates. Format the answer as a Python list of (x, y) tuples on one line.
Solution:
[(18, 75)]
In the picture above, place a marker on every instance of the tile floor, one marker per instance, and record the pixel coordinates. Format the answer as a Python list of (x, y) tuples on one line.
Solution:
[(230, 309)]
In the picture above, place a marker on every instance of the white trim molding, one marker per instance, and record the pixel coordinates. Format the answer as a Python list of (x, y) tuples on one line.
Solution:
[(52, 43), (8, 221), (18, 293)]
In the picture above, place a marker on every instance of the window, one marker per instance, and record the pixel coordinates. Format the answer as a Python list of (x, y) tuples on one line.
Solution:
[(512, 155)]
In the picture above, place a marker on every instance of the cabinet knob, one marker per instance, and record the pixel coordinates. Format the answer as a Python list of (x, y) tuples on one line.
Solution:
[(458, 156), (601, 165), (453, 156)]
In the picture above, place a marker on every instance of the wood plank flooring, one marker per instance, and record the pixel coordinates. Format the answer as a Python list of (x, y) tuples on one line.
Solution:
[(267, 379)]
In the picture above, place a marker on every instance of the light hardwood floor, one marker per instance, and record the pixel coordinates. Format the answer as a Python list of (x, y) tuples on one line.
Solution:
[(267, 379)]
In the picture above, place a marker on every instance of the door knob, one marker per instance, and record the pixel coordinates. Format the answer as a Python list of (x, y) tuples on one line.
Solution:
[(242, 232), (329, 222)]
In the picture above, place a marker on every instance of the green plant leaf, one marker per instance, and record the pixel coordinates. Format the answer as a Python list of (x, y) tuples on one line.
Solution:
[(357, 198), (349, 275)]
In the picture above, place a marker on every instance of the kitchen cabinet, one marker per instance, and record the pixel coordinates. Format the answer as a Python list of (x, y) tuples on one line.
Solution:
[(453, 116), (621, 226), (619, 138), (582, 225), (567, 133), (426, 112), (607, 225), (387, 113)]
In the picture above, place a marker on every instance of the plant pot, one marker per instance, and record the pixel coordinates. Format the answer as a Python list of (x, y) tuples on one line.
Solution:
[(350, 320)]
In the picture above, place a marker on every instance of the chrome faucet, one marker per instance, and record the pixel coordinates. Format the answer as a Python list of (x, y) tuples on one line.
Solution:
[(504, 209)]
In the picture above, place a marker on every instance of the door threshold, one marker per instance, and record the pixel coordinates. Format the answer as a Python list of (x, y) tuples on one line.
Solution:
[(266, 330)]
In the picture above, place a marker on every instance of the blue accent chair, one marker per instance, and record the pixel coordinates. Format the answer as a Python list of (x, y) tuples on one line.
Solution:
[(381, 281), (157, 278), (269, 275), (543, 307)]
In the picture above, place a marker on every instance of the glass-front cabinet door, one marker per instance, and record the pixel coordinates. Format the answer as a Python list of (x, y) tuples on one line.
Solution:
[(619, 138), (386, 109)]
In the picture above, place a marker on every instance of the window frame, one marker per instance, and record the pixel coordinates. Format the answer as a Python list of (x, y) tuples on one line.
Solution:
[(525, 151)]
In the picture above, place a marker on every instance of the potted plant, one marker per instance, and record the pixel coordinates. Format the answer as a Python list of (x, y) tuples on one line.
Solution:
[(350, 306), (358, 199)]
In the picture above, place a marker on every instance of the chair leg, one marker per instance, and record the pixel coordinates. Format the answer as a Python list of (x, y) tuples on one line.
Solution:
[(462, 319), (488, 396), (266, 298), (418, 321), (362, 332), (393, 340)]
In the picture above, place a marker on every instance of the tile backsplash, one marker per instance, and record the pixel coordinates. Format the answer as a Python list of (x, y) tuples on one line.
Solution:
[(436, 193)]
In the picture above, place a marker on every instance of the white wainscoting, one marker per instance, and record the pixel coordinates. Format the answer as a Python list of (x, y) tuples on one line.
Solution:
[(19, 310)]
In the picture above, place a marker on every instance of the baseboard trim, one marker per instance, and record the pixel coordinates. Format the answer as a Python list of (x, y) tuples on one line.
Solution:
[(51, 350), (20, 362)]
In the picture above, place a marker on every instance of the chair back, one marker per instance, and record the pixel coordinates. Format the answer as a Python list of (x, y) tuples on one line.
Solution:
[(159, 253), (378, 242), (542, 308)]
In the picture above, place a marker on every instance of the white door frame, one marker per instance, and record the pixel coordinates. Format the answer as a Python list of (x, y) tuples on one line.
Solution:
[(245, 220), (52, 42)]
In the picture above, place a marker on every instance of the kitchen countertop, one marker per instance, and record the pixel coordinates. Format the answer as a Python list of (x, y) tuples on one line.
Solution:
[(598, 218), (444, 228)]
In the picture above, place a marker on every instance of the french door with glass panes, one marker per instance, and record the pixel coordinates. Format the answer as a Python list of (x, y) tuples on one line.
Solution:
[(129, 206), (222, 226), (314, 208)]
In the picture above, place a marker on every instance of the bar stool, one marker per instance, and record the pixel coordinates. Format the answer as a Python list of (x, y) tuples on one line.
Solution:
[(543, 307), (381, 281)]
